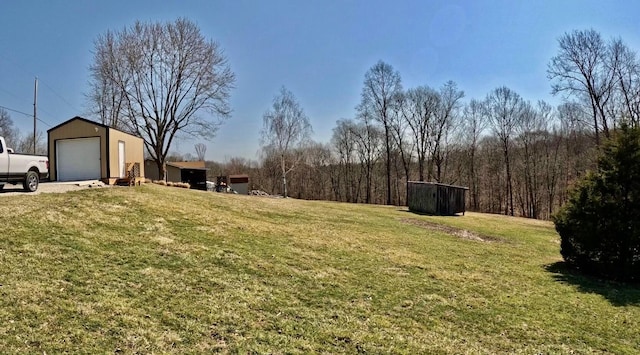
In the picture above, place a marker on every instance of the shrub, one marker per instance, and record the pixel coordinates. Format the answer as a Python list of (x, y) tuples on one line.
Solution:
[(599, 226)]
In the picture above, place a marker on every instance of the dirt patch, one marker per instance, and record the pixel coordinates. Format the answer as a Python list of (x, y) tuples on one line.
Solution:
[(456, 232)]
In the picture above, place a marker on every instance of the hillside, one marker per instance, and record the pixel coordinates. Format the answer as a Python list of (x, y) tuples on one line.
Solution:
[(157, 269)]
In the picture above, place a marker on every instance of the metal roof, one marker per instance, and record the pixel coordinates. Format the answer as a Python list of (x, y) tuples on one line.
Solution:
[(188, 164), (439, 184)]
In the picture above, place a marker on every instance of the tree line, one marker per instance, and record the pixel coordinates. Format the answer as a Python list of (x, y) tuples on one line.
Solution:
[(516, 156)]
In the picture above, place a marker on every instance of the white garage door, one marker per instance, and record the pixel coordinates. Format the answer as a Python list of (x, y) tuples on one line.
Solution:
[(78, 159)]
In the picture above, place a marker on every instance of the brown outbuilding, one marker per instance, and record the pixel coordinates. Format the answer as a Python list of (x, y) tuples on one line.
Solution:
[(192, 172), (80, 149)]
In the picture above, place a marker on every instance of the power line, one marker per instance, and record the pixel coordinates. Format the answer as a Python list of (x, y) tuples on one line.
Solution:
[(60, 96), (45, 111), (48, 113), (16, 111), (24, 113), (24, 70)]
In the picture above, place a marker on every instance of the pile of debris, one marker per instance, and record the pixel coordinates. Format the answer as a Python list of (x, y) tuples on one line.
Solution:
[(87, 183), (258, 193)]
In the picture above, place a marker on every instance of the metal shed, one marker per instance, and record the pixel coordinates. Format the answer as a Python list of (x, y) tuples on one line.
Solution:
[(80, 149), (238, 183), (192, 172), (435, 198)]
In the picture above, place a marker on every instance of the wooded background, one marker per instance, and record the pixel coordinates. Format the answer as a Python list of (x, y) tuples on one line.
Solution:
[(516, 156)]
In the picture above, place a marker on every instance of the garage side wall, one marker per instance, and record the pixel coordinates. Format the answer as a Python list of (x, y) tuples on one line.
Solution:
[(77, 129), (134, 152), (174, 173)]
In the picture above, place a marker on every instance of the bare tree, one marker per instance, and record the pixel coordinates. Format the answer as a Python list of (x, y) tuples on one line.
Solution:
[(270, 177), (25, 144), (314, 180), (626, 68), (344, 145), (106, 98), (473, 125), (285, 129), (381, 84), (420, 109), (201, 150), (531, 126), (583, 69), (553, 161), (368, 146), (7, 129), (403, 143), (578, 157), (504, 110), (445, 115), (169, 77)]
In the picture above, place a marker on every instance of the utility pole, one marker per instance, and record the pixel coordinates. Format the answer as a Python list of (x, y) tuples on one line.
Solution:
[(35, 112)]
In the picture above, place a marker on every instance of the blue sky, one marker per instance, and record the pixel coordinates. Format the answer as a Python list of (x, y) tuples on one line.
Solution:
[(320, 50)]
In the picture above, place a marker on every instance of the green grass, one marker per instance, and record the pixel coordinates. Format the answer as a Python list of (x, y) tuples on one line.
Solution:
[(157, 269)]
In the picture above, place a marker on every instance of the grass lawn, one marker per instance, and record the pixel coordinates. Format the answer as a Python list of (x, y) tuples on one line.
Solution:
[(158, 269)]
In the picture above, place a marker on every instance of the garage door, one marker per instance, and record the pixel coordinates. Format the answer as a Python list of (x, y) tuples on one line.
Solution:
[(78, 159)]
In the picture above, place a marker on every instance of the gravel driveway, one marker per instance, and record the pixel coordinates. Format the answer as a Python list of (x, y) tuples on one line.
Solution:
[(51, 187)]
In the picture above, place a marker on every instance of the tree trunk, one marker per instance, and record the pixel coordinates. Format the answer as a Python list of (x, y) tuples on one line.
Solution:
[(284, 176), (406, 192), (388, 146), (474, 187), (509, 185), (162, 174), (509, 182), (368, 183), (595, 124)]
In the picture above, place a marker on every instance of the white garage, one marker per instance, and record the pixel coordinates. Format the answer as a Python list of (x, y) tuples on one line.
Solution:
[(78, 159)]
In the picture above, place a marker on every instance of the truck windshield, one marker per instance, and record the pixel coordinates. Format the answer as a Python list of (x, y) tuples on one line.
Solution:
[(1, 148)]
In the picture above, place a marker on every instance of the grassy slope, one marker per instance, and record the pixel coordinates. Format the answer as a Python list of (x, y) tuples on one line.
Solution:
[(156, 269)]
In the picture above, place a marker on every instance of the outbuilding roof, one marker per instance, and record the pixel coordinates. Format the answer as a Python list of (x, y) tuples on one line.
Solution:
[(199, 165), (78, 118), (438, 184)]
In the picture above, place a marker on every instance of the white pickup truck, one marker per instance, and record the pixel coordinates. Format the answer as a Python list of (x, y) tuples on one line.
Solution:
[(23, 169)]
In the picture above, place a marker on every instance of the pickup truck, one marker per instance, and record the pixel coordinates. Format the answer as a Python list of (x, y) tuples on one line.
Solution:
[(23, 169)]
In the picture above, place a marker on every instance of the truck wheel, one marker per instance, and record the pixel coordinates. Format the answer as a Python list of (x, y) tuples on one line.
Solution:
[(30, 183)]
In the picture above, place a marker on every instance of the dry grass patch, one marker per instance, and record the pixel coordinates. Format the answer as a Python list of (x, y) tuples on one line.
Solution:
[(155, 270)]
